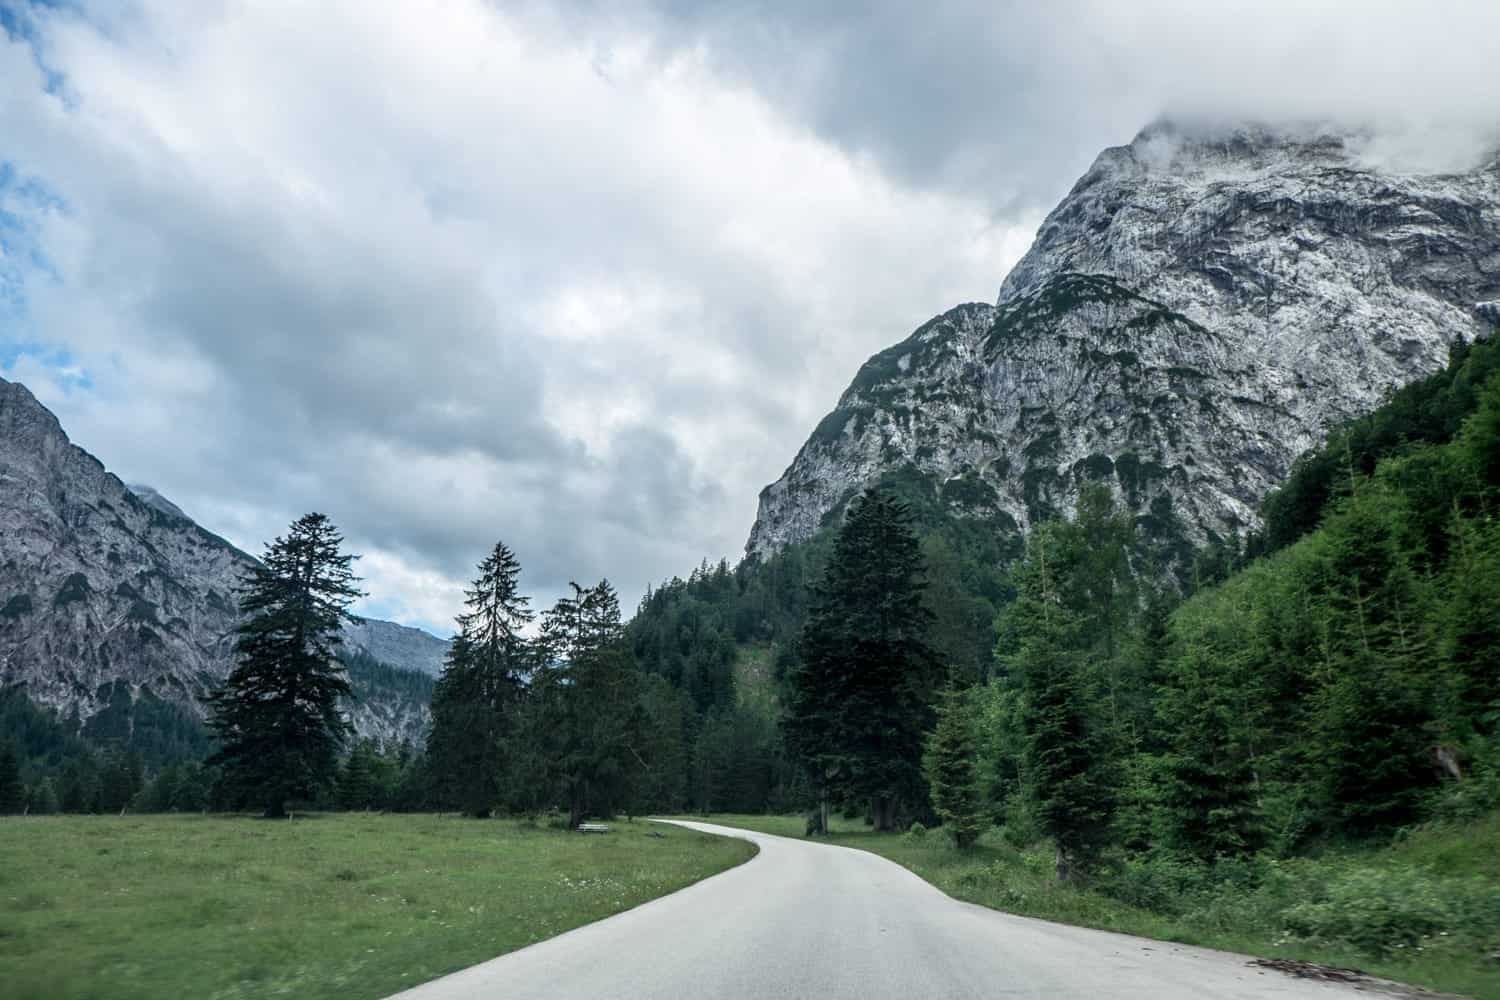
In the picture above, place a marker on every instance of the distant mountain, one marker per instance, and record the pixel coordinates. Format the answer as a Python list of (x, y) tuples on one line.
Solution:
[(106, 588), (1200, 309), (398, 645)]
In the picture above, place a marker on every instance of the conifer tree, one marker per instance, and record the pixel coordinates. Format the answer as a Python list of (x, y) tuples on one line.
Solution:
[(860, 701), (277, 715), (1068, 756), (357, 780), (122, 778), (44, 800), (1207, 792), (80, 784), (587, 702), (952, 773), (12, 794), (474, 704)]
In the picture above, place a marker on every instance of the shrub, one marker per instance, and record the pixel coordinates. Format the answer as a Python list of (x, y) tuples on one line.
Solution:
[(1020, 828), (1161, 883), (1385, 910), (916, 833)]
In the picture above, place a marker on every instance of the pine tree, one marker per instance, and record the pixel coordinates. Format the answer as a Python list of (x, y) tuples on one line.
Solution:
[(1207, 790), (80, 784), (860, 701), (277, 715), (1068, 756), (12, 793), (44, 800), (952, 774), (664, 746), (357, 780), (122, 778), (474, 704), (588, 693)]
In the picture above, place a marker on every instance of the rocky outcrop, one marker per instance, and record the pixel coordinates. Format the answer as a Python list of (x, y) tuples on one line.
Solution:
[(1199, 310), (102, 585), (398, 645)]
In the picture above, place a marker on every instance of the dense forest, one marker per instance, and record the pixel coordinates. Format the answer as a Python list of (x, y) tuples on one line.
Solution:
[(1333, 675)]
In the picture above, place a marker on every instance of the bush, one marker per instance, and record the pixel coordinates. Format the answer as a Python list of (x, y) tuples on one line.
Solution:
[(1020, 828), (1160, 883), (916, 833), (1479, 793), (1384, 910)]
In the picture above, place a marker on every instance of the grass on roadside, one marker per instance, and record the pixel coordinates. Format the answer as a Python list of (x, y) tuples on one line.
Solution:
[(350, 905), (1370, 895)]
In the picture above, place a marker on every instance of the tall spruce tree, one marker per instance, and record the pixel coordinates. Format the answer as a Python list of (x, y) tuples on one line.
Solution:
[(952, 770), (860, 701), (1207, 786), (586, 701), (1068, 754), (475, 702), (357, 789), (12, 794), (277, 715)]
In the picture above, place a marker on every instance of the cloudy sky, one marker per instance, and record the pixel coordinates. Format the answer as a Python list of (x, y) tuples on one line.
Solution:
[(579, 276)]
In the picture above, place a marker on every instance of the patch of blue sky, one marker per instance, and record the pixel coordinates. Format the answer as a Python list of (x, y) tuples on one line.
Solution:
[(60, 364), (23, 200), (18, 19)]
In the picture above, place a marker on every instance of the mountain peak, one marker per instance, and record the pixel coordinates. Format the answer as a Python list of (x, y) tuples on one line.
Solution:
[(1202, 307), (152, 498)]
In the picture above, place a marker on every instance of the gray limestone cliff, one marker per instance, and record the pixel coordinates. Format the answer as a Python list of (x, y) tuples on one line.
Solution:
[(104, 585), (1201, 308)]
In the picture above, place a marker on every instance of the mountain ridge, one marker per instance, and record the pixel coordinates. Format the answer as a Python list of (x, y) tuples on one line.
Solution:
[(1199, 310), (105, 587)]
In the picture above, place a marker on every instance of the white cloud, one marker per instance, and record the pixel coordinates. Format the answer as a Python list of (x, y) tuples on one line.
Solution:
[(457, 277)]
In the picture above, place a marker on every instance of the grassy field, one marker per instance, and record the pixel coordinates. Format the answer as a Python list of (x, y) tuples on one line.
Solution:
[(1380, 894), (349, 906)]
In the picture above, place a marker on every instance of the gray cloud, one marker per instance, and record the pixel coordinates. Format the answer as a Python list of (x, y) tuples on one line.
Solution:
[(1011, 100), (577, 276)]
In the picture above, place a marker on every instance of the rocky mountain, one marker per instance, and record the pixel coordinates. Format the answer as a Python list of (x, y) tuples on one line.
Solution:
[(398, 645), (105, 588), (1198, 311)]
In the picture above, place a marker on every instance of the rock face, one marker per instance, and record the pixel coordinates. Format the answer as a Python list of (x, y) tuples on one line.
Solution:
[(398, 645), (103, 585), (1198, 311)]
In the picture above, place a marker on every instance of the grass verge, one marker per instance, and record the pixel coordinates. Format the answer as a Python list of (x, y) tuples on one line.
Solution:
[(1388, 900), (350, 905)]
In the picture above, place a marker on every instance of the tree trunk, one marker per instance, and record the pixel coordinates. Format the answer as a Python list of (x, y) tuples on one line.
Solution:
[(575, 807), (883, 812), (1066, 871)]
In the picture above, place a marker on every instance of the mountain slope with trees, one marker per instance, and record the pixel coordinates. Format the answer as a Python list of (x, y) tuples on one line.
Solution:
[(1203, 306), (109, 598)]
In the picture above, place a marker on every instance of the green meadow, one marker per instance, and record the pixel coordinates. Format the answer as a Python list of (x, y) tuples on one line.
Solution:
[(352, 905)]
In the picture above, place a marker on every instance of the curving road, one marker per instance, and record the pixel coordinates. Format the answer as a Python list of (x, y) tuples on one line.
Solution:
[(806, 920)]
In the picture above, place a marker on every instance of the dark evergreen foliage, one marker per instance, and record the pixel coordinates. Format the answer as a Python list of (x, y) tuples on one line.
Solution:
[(951, 766), (861, 699), (12, 793), (277, 714), (476, 700), (586, 703), (1429, 411)]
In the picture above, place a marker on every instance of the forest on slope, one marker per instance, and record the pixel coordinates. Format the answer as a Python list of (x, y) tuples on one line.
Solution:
[(1332, 675)]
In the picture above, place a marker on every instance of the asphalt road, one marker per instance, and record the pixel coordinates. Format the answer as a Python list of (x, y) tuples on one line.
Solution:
[(805, 920)]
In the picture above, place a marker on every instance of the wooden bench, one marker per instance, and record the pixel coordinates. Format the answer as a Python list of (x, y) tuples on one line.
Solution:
[(593, 828)]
